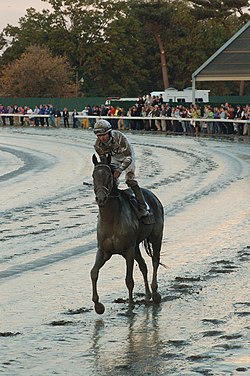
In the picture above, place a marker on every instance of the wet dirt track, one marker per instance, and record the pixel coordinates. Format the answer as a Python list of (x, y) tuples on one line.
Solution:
[(48, 239)]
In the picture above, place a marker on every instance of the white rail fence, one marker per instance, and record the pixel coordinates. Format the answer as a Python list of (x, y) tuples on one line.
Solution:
[(164, 118), (129, 118)]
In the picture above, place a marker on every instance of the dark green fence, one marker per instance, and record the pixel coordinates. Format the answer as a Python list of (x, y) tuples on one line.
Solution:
[(81, 103), (233, 99)]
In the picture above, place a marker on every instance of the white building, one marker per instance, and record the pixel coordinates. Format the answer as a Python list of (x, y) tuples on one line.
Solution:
[(174, 95)]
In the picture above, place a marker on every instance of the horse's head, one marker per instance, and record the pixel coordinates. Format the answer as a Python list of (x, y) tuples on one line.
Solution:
[(103, 179)]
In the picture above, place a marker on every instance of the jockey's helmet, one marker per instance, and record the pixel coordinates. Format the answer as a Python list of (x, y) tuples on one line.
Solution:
[(102, 127)]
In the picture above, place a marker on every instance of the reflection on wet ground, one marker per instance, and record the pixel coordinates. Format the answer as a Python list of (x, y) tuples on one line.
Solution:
[(48, 221)]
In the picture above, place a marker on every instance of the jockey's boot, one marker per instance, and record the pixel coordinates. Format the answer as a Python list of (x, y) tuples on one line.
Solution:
[(142, 206)]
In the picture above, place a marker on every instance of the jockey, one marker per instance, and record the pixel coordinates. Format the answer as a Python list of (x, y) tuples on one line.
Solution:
[(116, 144)]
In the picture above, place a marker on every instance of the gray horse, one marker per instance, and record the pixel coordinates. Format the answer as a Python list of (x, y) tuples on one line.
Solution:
[(120, 231)]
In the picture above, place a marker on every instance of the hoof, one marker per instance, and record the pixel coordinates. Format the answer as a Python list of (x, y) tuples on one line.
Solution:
[(99, 308), (131, 306), (156, 298)]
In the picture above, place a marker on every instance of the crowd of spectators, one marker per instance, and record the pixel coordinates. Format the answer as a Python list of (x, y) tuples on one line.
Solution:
[(152, 114), (149, 113), (42, 115)]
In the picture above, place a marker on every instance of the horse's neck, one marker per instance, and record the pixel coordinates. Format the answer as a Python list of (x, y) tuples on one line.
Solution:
[(111, 211)]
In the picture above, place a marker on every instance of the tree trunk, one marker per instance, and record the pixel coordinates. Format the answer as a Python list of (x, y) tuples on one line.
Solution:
[(164, 67), (242, 88)]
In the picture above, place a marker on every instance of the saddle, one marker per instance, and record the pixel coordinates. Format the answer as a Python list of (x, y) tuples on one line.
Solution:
[(129, 195)]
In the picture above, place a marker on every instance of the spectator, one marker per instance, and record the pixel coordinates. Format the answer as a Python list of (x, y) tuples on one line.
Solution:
[(96, 111), (163, 114), (2, 111), (208, 127), (26, 120), (10, 111), (31, 119), (216, 115), (157, 113), (103, 110), (21, 112), (75, 119), (183, 115), (41, 112), (85, 120), (230, 115), (90, 113), (149, 101), (169, 121), (121, 114), (134, 122), (65, 115), (196, 114), (36, 118), (240, 115), (47, 112), (52, 115), (246, 129), (127, 122), (57, 118), (223, 115), (15, 112), (151, 121), (140, 102), (160, 101), (176, 123), (144, 113)]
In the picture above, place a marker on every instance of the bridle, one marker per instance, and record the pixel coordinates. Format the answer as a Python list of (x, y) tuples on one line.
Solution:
[(104, 189)]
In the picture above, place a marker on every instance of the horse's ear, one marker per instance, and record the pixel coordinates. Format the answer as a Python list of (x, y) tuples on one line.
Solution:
[(94, 159), (109, 159)]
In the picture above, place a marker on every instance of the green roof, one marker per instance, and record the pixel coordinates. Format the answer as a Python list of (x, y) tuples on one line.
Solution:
[(231, 62)]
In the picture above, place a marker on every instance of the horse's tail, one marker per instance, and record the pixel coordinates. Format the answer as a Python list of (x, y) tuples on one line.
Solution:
[(148, 249)]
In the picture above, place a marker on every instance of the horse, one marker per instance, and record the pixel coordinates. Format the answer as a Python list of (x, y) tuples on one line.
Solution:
[(120, 231)]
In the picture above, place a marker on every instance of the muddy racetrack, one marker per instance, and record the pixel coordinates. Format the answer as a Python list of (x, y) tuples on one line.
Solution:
[(48, 243)]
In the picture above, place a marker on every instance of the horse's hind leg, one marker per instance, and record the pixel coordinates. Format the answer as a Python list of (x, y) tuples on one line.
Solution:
[(156, 261), (144, 270), (100, 260)]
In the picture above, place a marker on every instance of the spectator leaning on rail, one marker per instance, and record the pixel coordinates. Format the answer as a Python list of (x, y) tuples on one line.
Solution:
[(114, 142)]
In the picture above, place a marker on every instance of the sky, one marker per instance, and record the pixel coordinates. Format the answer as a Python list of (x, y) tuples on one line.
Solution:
[(12, 10)]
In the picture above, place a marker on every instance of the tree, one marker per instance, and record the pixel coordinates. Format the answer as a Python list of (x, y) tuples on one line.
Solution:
[(92, 35), (37, 74), (126, 47), (154, 16), (221, 10)]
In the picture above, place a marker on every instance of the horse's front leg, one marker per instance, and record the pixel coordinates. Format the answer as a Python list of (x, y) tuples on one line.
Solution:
[(100, 260), (130, 257)]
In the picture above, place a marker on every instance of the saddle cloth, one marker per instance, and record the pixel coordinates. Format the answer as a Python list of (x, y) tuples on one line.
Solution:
[(130, 196)]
